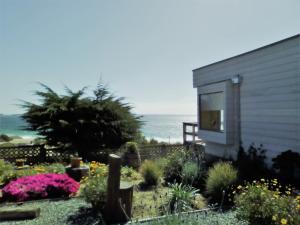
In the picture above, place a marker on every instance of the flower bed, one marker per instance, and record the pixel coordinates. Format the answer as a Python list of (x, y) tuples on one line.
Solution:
[(40, 186)]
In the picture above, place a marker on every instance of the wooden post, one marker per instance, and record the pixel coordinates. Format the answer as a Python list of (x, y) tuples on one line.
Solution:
[(184, 131), (113, 212)]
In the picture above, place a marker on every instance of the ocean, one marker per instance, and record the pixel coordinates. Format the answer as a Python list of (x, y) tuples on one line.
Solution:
[(167, 128)]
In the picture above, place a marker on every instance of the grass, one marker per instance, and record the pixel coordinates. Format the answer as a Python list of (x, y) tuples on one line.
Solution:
[(74, 211), (203, 218)]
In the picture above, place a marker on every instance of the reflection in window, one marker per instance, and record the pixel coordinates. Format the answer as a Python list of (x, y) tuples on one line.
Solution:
[(212, 111)]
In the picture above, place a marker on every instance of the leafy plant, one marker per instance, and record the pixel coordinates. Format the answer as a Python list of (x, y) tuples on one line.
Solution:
[(150, 172), (82, 124), (262, 203), (129, 174), (40, 186), (220, 177), (94, 191), (181, 198)]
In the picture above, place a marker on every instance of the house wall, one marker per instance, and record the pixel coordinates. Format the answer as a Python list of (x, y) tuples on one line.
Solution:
[(269, 97)]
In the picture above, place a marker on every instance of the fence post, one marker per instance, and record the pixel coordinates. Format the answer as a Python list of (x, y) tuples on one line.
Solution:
[(43, 154)]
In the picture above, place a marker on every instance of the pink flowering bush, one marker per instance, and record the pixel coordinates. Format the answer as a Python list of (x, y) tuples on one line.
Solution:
[(40, 186)]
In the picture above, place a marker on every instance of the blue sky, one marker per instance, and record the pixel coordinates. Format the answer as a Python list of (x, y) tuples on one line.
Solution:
[(144, 50)]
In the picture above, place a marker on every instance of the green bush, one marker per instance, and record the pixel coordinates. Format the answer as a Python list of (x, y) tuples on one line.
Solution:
[(173, 167), (262, 203), (181, 198), (220, 177), (251, 163), (5, 138), (193, 174), (131, 156), (6, 170), (151, 172), (94, 191)]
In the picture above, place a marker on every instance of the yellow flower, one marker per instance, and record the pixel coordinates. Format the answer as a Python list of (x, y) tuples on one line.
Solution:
[(274, 218), (283, 221)]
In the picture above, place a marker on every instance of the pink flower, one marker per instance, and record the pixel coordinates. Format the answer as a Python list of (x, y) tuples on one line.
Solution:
[(40, 186)]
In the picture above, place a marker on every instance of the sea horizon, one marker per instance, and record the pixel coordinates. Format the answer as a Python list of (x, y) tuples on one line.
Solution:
[(161, 127)]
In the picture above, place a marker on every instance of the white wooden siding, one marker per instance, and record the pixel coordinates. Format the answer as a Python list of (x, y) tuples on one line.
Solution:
[(269, 95)]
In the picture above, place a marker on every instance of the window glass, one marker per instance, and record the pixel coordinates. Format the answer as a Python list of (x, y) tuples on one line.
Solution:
[(212, 111)]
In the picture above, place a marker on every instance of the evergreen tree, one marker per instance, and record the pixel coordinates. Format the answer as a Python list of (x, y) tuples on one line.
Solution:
[(82, 124)]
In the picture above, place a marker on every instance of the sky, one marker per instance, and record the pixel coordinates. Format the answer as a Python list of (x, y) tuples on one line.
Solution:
[(144, 50)]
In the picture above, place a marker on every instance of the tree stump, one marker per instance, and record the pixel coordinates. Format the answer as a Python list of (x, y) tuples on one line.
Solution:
[(77, 173), (119, 200)]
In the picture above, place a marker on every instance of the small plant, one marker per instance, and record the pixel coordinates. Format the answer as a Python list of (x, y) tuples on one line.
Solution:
[(40, 186), (150, 172), (181, 198), (129, 174), (94, 190), (267, 203), (220, 177)]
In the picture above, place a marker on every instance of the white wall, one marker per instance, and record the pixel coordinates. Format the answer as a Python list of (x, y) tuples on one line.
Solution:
[(269, 96)]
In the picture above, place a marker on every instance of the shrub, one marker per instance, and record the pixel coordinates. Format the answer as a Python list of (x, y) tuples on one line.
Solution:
[(263, 203), (150, 172), (131, 155), (220, 177), (40, 186), (251, 164), (193, 174), (173, 167), (94, 190), (181, 198), (5, 170), (286, 164), (5, 138)]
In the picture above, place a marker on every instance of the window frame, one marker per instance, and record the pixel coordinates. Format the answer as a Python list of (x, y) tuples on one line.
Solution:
[(221, 137)]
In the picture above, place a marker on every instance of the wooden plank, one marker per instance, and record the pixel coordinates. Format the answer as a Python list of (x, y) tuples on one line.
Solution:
[(19, 213)]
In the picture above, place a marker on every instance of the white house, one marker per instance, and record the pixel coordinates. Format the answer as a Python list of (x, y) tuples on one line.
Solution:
[(253, 97)]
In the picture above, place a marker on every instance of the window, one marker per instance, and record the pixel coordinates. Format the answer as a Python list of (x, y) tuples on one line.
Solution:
[(212, 111), (215, 113)]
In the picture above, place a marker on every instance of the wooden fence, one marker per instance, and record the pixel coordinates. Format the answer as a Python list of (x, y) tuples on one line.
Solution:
[(36, 154)]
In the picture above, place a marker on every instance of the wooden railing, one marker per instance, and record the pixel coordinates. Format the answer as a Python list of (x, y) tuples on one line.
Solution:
[(190, 133)]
